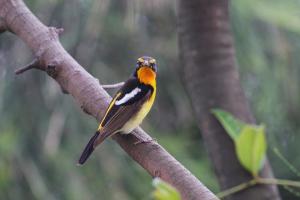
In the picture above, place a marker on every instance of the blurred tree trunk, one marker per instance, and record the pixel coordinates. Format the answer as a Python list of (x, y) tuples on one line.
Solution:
[(212, 81)]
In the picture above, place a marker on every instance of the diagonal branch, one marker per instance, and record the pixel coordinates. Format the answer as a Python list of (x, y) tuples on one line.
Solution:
[(93, 99), (113, 86), (33, 65)]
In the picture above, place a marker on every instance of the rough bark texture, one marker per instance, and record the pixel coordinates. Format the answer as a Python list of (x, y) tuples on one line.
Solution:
[(86, 90), (212, 80)]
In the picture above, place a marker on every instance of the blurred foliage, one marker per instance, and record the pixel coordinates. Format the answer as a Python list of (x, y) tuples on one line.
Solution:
[(287, 163), (267, 53), (42, 132), (164, 191)]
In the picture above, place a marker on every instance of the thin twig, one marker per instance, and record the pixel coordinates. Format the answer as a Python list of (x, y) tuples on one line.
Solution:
[(59, 30), (112, 86), (274, 181), (237, 188), (286, 162), (292, 190), (32, 65), (258, 180)]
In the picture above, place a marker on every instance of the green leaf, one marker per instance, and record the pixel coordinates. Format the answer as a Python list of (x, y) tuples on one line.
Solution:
[(251, 148), (232, 125), (164, 191)]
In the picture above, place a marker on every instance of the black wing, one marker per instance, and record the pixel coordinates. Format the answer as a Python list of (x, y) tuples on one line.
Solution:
[(129, 85), (118, 115)]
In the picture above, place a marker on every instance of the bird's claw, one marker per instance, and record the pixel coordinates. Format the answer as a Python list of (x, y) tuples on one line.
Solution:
[(141, 141)]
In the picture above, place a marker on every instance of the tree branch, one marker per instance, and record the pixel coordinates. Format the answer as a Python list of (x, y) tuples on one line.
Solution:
[(112, 86), (33, 65), (93, 99)]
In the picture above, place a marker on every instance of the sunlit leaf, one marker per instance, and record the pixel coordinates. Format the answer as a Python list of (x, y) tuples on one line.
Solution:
[(250, 142), (164, 191), (251, 148), (232, 125)]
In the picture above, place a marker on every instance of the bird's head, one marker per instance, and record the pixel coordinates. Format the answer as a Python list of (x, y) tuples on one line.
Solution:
[(146, 69)]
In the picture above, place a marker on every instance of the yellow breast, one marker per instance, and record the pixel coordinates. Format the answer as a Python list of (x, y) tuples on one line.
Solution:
[(138, 118)]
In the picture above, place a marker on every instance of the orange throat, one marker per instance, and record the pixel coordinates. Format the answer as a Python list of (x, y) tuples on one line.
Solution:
[(146, 75)]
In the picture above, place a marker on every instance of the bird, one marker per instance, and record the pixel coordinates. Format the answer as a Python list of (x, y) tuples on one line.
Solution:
[(129, 106)]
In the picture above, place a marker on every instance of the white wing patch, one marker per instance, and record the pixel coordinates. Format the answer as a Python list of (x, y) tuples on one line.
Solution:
[(128, 96)]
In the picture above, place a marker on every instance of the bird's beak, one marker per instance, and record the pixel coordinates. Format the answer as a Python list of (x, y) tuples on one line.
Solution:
[(146, 63)]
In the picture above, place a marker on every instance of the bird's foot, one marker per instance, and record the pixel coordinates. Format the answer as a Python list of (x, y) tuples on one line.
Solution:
[(143, 141)]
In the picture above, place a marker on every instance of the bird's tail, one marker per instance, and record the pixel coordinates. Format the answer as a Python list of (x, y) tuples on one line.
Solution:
[(88, 150)]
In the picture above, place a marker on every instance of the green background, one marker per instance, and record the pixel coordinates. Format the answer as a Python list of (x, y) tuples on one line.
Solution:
[(42, 131)]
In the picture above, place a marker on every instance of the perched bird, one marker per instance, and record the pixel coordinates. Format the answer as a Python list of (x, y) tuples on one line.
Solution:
[(129, 106)]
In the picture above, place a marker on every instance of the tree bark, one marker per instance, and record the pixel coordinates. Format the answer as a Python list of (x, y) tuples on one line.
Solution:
[(212, 81), (93, 99)]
